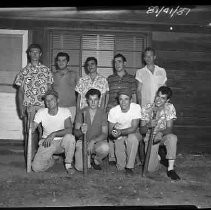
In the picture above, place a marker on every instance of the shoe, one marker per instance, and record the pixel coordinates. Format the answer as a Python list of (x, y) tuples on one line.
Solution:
[(112, 163), (69, 169), (172, 174), (129, 171), (94, 165)]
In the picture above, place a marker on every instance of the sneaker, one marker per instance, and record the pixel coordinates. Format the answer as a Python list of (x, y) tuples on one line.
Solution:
[(69, 169), (112, 163), (94, 165), (129, 171), (172, 174)]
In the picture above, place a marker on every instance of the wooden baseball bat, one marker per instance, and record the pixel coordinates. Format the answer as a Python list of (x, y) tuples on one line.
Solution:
[(84, 150), (149, 147), (29, 144)]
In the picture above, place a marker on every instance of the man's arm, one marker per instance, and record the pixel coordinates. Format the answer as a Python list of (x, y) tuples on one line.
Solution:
[(169, 127), (103, 100), (77, 130), (20, 102), (138, 92), (132, 129)]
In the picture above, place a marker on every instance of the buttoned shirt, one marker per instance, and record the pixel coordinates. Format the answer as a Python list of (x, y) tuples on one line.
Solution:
[(166, 114), (117, 83), (86, 83), (35, 81), (150, 82)]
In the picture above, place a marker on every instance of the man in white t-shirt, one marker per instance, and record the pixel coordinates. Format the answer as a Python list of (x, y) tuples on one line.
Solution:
[(149, 78), (123, 128), (57, 134)]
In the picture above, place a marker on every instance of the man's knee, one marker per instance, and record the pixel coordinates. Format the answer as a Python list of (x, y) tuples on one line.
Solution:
[(69, 138), (102, 148), (134, 138), (171, 138)]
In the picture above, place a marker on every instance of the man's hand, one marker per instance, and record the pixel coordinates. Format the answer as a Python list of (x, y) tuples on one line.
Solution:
[(158, 137), (22, 112), (116, 133), (90, 148), (48, 140), (84, 128)]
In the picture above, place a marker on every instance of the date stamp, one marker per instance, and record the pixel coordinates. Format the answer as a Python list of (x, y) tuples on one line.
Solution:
[(168, 11)]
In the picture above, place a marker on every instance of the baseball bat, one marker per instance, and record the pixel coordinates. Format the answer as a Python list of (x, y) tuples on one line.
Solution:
[(84, 152), (149, 147), (29, 144)]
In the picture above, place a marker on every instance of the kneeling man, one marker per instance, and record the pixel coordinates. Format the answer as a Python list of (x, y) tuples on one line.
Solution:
[(123, 127), (57, 134), (91, 120), (162, 124)]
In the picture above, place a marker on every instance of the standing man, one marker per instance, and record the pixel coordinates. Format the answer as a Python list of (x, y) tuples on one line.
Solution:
[(57, 134), (165, 114), (91, 120), (123, 127), (149, 78), (92, 80), (119, 80), (33, 82), (65, 81)]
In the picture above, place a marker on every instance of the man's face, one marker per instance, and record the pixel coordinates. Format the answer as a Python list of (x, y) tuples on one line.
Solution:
[(124, 102), (149, 57), (51, 101), (35, 54), (93, 101), (160, 99), (62, 62), (119, 64), (91, 66)]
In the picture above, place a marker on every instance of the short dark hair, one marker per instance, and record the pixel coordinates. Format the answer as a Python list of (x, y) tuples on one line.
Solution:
[(33, 46), (92, 92), (119, 55), (149, 49), (165, 91), (50, 91), (91, 59), (62, 54)]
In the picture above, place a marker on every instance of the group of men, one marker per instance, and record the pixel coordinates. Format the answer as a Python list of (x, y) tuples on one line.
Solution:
[(116, 113)]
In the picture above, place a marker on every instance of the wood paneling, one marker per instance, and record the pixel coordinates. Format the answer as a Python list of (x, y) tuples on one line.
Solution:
[(186, 58)]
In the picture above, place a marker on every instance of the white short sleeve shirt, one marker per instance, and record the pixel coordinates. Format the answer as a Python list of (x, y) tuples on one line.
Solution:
[(124, 119), (150, 82), (52, 123)]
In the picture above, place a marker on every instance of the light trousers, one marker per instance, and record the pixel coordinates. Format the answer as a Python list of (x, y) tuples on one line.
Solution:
[(126, 148), (44, 156), (170, 142), (101, 150)]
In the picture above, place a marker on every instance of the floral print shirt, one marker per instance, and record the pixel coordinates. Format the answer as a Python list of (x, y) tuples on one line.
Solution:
[(166, 114), (85, 83), (35, 81)]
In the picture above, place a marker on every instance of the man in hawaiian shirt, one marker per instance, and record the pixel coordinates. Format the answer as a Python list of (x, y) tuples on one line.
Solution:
[(92, 80), (32, 82), (164, 116)]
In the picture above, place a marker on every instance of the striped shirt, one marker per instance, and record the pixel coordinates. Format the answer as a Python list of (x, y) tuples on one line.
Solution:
[(117, 83)]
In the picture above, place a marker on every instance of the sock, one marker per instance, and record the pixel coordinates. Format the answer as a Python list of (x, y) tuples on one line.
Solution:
[(171, 165), (68, 165)]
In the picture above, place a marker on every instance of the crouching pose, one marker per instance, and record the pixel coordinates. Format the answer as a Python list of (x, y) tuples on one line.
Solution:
[(162, 124), (57, 137), (91, 120), (123, 127)]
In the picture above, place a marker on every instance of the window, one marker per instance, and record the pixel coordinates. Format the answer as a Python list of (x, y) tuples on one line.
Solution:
[(103, 46)]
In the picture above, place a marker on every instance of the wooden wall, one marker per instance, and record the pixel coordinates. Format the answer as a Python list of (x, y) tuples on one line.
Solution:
[(187, 60)]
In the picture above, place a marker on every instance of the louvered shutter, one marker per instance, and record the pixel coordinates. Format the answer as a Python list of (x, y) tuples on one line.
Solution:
[(131, 47), (69, 43), (100, 46)]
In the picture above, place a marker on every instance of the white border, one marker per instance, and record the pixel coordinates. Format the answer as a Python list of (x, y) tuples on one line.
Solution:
[(24, 34)]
